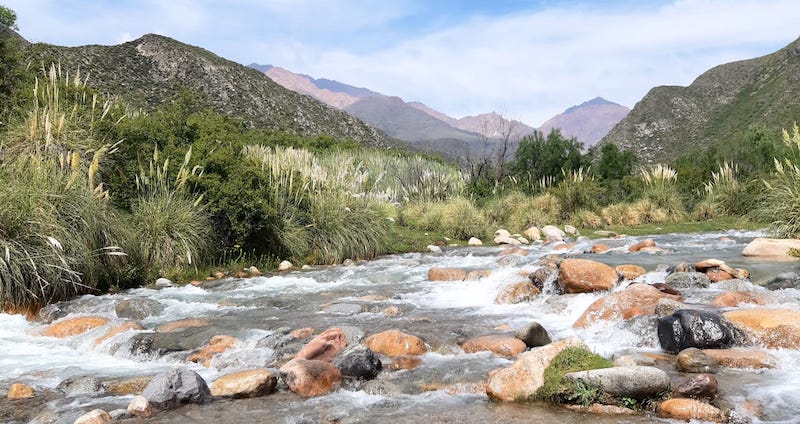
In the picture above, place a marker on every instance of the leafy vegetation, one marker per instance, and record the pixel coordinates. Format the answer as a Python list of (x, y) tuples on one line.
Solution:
[(557, 389)]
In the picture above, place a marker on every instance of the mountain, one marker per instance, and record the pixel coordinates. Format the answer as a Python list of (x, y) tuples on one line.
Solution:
[(588, 122), (494, 125), (304, 85), (449, 120), (154, 69), (717, 107)]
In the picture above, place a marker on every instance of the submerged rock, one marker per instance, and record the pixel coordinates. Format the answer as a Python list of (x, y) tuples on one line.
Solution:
[(693, 360), (700, 386), (446, 274), (742, 358), (172, 388), (506, 346), (523, 291), (637, 299), (74, 326), (641, 245), (138, 308), (693, 328), (686, 280)]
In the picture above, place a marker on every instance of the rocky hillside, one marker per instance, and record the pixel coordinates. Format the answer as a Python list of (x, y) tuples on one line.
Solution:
[(588, 122), (718, 106), (151, 70)]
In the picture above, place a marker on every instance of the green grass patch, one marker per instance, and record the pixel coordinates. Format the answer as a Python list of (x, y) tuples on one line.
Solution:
[(710, 225), (556, 390)]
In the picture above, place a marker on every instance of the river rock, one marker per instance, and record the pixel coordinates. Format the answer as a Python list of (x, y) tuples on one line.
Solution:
[(637, 299), (569, 229), (686, 280), (395, 343), (302, 333), (689, 409), (285, 266), (693, 360), (80, 385), (245, 384), (344, 309), (310, 378), (771, 248), (243, 359), (127, 386), (276, 340), (477, 274), (742, 358), (553, 233), (600, 409), (707, 264), (405, 362), (773, 327), (354, 335), (523, 291), (20, 391), (325, 346), (507, 240), (700, 386), (182, 325), (501, 345), (642, 244), (533, 335), (785, 280), (95, 416), (172, 388), (446, 274), (138, 308), (140, 407), (163, 282), (117, 329), (717, 275), (434, 248), (636, 382), (358, 361), (521, 380), (667, 306), (599, 248), (533, 233), (217, 344), (474, 241), (583, 275), (544, 277), (693, 328), (514, 251), (735, 298), (630, 272), (74, 326)]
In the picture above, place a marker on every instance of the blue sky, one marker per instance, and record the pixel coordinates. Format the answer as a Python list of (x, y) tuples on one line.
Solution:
[(527, 59)]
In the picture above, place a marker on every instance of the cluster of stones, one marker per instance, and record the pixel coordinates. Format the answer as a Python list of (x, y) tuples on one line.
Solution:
[(701, 340)]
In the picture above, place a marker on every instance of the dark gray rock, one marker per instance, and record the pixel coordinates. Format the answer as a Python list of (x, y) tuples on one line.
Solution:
[(695, 361), (686, 280), (534, 335), (693, 328), (636, 381), (358, 361), (786, 280), (544, 277), (138, 308), (158, 344), (700, 386), (353, 334), (275, 341), (175, 387)]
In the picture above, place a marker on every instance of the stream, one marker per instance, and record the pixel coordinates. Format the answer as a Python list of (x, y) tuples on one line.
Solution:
[(71, 375)]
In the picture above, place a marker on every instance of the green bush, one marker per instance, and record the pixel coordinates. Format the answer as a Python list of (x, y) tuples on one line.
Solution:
[(577, 190), (556, 389), (781, 205), (662, 190)]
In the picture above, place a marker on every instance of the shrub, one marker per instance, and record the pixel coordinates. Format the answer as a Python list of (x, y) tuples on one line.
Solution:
[(577, 190), (586, 219), (781, 206), (661, 188), (725, 192), (645, 211), (461, 219)]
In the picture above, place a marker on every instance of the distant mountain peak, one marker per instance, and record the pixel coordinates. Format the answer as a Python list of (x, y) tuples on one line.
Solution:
[(589, 121), (597, 101)]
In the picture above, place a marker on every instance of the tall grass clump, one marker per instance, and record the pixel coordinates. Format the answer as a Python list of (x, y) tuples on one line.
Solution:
[(457, 217), (170, 227), (662, 190), (58, 235), (724, 191), (577, 190), (781, 205)]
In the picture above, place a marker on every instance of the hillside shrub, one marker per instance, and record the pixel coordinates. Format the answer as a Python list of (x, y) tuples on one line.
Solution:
[(781, 205)]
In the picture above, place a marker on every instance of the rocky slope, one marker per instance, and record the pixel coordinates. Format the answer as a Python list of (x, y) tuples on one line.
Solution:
[(588, 122), (153, 69), (718, 106)]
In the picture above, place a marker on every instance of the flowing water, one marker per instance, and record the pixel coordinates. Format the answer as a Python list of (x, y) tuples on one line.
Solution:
[(440, 390)]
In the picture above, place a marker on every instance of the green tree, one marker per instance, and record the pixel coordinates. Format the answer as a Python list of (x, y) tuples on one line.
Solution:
[(539, 156), (615, 164), (10, 69)]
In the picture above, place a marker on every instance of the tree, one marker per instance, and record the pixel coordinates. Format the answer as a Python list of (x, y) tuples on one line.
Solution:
[(615, 164), (8, 19), (10, 69), (538, 156)]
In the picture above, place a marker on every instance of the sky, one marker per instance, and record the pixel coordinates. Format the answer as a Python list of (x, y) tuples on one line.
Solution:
[(528, 60)]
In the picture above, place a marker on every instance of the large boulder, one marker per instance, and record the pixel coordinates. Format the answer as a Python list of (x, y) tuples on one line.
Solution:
[(693, 328), (325, 346), (583, 275), (138, 308), (773, 327), (172, 388), (771, 248), (637, 382), (310, 378), (521, 380), (501, 345), (395, 343), (637, 299), (74, 326), (534, 335), (689, 409), (245, 384), (358, 361)]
